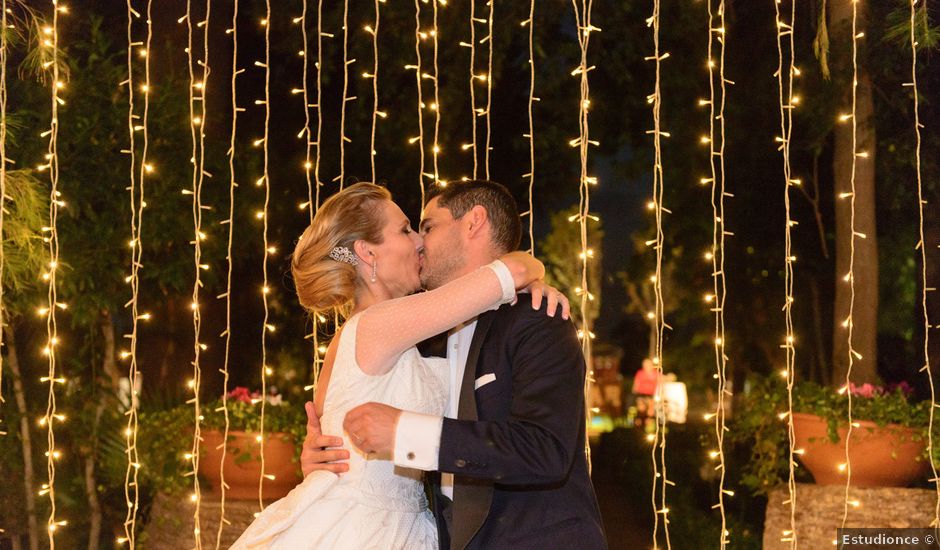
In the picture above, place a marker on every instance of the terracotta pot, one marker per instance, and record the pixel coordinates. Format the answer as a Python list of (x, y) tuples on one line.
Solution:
[(242, 475), (886, 456)]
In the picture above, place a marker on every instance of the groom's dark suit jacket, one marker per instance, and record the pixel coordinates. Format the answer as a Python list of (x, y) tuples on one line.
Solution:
[(517, 447)]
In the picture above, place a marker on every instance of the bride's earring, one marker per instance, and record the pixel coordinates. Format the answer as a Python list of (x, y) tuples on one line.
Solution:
[(374, 264)]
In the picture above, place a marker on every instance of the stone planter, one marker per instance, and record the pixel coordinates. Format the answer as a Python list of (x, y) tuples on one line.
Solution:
[(243, 471), (888, 456)]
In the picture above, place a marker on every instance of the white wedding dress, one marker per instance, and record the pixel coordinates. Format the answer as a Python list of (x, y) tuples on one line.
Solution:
[(375, 505)]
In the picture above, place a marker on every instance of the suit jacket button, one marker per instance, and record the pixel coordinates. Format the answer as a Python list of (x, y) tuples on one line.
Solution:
[(411, 456), (460, 463)]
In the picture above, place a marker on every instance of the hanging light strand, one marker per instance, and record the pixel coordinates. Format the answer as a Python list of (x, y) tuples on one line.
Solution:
[(436, 107), (305, 133), (375, 86), (197, 95), (319, 102), (137, 204), (659, 435), (223, 487), (489, 83), (530, 22), (584, 27), (419, 139), (3, 174), (785, 75), (51, 41), (849, 325), (346, 99), (265, 290), (315, 333), (922, 244), (471, 44), (716, 143)]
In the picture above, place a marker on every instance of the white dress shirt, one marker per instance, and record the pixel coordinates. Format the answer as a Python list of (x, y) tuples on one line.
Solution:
[(418, 436)]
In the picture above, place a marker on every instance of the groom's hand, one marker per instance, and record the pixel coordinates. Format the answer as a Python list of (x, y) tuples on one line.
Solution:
[(315, 454), (372, 427)]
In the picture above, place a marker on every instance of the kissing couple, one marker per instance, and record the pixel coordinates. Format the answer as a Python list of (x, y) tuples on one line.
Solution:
[(469, 388)]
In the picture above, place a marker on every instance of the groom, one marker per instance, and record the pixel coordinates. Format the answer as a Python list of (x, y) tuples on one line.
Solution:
[(507, 461)]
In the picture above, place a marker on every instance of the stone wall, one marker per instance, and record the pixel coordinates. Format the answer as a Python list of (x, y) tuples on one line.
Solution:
[(819, 511), (171, 522)]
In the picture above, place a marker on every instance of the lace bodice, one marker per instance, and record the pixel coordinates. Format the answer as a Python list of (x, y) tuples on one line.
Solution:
[(415, 383)]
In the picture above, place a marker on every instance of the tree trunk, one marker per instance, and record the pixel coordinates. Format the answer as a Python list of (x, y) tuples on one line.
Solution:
[(109, 367), (865, 310), (29, 484)]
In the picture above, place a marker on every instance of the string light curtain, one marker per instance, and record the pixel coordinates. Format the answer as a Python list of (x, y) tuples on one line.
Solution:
[(346, 99), (374, 31), (488, 40), (137, 176), (530, 23), (227, 334), (436, 106), (197, 111), (3, 176), (716, 255), (659, 435), (786, 72), (265, 289), (922, 246), (850, 276), (584, 27), (471, 45), (50, 44), (419, 139)]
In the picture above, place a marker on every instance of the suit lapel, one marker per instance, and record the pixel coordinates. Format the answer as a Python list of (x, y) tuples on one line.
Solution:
[(467, 406), (472, 498)]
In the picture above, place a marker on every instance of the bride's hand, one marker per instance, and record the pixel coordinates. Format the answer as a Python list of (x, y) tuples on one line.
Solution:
[(540, 288), (321, 452), (525, 268)]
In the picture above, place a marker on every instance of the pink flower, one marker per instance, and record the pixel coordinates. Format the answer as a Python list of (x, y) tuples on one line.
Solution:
[(866, 390), (240, 393)]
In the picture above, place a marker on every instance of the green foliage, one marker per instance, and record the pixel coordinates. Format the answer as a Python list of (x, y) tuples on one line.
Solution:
[(757, 426), (561, 249), (23, 250), (166, 436)]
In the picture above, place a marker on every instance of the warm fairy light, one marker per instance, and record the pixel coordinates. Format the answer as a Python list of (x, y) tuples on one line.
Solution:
[(137, 190), (849, 325), (656, 206), (374, 31), (417, 69), (922, 246), (197, 110), (51, 40), (582, 15), (489, 84), (786, 50), (267, 198), (3, 174), (530, 22), (435, 107), (346, 99)]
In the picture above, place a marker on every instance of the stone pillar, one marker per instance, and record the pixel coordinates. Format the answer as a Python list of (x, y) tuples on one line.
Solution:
[(819, 512)]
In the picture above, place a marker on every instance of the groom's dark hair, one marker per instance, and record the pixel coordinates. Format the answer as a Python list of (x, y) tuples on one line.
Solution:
[(460, 197)]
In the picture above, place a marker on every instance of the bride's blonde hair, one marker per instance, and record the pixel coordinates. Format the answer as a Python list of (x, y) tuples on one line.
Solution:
[(353, 214)]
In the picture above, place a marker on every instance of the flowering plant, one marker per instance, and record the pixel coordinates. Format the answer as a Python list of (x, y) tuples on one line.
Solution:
[(759, 423), (244, 413)]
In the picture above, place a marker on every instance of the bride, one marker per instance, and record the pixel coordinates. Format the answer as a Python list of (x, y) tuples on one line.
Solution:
[(361, 253)]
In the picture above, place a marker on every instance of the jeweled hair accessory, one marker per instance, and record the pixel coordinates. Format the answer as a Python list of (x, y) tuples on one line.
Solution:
[(343, 254)]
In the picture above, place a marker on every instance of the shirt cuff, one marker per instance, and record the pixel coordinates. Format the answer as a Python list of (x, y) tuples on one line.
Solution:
[(506, 282), (418, 441)]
